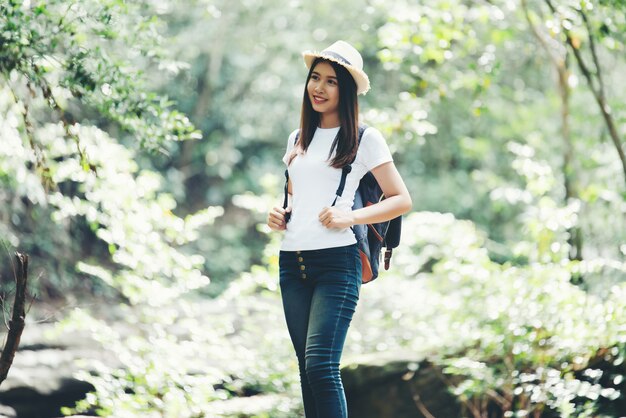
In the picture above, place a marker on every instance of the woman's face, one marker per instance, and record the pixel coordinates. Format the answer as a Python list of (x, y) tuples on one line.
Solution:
[(323, 89)]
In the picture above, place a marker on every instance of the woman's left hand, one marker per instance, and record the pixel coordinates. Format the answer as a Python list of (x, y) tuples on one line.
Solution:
[(333, 217)]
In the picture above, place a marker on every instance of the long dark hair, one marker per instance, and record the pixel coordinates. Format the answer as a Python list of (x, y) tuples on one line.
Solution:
[(347, 139)]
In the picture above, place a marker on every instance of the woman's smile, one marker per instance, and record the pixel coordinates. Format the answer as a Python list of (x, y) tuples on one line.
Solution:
[(319, 99)]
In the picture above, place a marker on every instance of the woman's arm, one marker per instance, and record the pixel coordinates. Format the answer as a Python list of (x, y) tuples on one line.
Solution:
[(397, 202), (397, 199)]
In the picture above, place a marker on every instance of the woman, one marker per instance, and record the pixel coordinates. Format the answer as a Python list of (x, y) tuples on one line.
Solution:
[(320, 267)]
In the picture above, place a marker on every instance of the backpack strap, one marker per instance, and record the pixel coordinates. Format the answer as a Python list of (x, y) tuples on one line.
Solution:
[(345, 170), (285, 200), (348, 168)]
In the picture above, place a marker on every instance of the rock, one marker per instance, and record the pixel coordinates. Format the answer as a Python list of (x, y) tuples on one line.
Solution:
[(397, 385), (7, 412), (41, 379)]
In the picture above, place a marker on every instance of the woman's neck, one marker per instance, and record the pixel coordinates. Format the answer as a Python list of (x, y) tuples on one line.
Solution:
[(329, 121)]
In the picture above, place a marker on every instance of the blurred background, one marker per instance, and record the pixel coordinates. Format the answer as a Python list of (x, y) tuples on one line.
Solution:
[(140, 150)]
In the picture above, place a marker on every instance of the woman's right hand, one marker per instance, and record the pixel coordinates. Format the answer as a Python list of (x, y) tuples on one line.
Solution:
[(276, 218)]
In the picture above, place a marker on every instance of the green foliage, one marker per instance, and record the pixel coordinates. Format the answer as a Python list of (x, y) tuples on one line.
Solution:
[(521, 338), (60, 62), (473, 78), (170, 361), (68, 50), (60, 66), (468, 98)]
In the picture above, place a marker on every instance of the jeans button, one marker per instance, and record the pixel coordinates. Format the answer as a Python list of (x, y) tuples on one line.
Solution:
[(300, 259), (302, 268)]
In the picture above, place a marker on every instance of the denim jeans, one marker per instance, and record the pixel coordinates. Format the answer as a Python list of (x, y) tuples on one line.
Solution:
[(320, 290)]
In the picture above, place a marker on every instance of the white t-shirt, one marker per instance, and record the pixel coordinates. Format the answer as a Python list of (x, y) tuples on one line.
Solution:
[(314, 184)]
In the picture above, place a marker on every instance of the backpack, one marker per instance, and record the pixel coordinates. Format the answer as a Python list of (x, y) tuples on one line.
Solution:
[(371, 238)]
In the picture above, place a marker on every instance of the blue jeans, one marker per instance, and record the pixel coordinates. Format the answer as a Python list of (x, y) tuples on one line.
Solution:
[(320, 290)]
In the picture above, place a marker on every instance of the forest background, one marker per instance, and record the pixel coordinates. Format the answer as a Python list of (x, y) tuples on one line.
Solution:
[(140, 150)]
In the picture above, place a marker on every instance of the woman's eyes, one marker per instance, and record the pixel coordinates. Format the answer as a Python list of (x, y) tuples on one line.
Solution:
[(332, 82)]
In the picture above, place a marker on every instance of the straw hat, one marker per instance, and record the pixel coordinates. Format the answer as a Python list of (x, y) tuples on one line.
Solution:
[(344, 54)]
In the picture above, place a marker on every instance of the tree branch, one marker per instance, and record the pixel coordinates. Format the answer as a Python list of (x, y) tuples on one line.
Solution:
[(16, 324), (594, 54), (605, 109), (554, 58)]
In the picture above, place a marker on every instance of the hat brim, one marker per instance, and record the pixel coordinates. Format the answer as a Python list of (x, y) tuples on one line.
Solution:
[(361, 79)]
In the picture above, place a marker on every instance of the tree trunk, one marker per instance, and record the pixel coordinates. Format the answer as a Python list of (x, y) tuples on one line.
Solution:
[(575, 238), (559, 61)]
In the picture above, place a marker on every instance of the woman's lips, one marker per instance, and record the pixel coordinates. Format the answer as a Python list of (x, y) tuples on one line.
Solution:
[(319, 100)]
